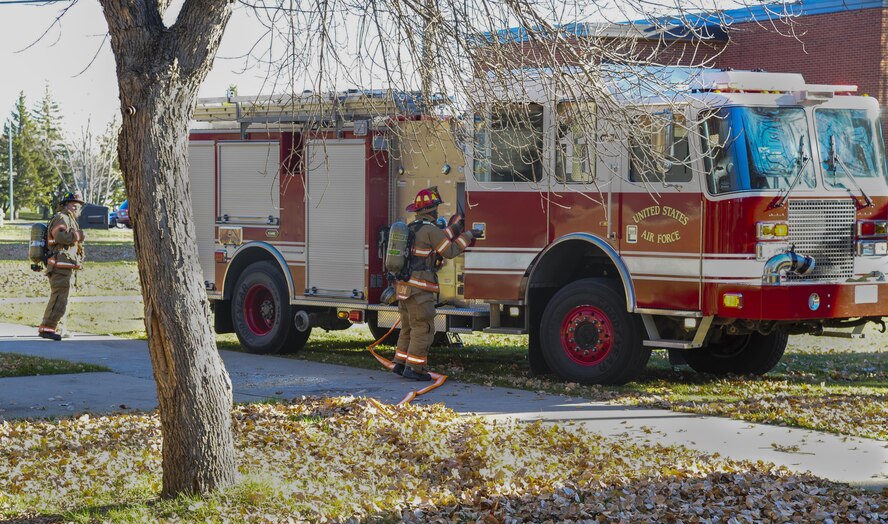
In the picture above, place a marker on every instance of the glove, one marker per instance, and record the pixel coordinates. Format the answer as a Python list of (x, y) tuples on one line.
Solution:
[(477, 233), (457, 224)]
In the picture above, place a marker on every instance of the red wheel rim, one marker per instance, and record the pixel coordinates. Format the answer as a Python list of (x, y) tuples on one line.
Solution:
[(587, 335), (259, 310)]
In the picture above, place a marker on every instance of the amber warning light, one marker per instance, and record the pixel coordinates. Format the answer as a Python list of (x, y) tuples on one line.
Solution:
[(733, 300)]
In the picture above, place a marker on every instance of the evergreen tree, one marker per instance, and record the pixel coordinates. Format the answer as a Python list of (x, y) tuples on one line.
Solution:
[(4, 169), (27, 185), (54, 172)]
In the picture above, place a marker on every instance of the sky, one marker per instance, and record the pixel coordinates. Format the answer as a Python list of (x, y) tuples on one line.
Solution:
[(87, 92), (79, 70)]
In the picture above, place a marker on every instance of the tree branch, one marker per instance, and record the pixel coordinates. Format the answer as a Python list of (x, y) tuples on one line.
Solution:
[(198, 31)]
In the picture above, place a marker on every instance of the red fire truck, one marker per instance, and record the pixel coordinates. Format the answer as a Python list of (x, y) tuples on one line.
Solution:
[(764, 216)]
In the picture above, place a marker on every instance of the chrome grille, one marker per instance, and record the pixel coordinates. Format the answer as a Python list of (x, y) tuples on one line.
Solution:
[(823, 229)]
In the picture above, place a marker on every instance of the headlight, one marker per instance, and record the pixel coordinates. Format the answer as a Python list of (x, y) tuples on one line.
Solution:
[(872, 248)]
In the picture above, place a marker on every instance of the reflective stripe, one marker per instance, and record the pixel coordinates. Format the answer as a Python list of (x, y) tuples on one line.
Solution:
[(400, 354), (61, 265), (422, 284), (416, 360), (442, 246), (44, 329), (462, 241), (449, 232), (51, 242), (422, 252)]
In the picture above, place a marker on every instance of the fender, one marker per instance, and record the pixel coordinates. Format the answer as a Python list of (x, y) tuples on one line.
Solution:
[(615, 257), (273, 252)]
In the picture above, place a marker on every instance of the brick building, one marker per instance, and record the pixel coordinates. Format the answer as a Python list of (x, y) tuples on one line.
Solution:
[(837, 42), (827, 41)]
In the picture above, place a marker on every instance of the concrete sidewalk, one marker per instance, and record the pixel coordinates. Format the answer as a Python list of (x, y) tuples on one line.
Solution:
[(130, 386)]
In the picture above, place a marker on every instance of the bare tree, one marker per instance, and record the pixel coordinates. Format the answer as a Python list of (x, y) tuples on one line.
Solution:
[(159, 71), (92, 162)]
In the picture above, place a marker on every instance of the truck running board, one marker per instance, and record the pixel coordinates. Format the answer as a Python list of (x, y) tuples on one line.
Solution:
[(654, 339), (856, 333), (505, 331)]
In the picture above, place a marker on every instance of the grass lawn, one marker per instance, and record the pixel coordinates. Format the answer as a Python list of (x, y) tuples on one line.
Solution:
[(103, 318), (96, 279), (16, 365), (352, 460), (22, 233)]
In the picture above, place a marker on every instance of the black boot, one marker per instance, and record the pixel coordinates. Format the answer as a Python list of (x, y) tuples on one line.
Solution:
[(419, 376), (50, 335), (398, 369)]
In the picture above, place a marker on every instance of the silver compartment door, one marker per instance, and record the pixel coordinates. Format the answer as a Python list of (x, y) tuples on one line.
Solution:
[(335, 208), (249, 185), (202, 175)]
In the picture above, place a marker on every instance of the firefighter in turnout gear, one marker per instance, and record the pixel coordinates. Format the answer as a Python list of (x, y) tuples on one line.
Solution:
[(64, 242), (418, 294)]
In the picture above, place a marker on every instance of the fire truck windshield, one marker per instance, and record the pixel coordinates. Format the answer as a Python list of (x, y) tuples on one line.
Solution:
[(756, 149), (851, 145)]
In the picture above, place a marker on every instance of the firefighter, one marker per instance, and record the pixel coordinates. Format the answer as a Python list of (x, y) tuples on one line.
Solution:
[(64, 242), (417, 296)]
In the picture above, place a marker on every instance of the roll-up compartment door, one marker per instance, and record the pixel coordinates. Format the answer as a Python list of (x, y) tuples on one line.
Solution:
[(249, 183), (336, 219), (202, 175)]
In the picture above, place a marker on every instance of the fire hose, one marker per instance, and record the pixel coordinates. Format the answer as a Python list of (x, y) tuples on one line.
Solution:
[(388, 364)]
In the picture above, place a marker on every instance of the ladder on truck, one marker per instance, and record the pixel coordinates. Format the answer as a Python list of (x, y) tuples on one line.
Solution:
[(353, 107)]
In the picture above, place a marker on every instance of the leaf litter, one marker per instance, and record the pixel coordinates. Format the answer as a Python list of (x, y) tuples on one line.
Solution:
[(353, 460)]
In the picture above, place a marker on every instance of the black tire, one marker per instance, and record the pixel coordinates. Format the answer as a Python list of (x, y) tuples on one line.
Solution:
[(261, 312), (753, 354), (587, 336)]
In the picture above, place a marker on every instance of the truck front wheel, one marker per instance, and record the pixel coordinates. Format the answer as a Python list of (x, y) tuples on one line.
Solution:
[(587, 335), (753, 354), (261, 313)]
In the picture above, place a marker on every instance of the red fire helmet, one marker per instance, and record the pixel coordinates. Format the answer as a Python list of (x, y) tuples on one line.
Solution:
[(425, 199)]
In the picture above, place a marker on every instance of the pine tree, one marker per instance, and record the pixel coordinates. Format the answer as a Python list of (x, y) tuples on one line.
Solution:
[(4, 169), (26, 185), (53, 169)]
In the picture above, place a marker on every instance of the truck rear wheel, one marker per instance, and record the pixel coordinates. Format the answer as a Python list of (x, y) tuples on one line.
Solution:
[(753, 354), (587, 335), (261, 313)]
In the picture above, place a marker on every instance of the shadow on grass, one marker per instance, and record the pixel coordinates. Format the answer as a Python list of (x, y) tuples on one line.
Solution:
[(509, 361)]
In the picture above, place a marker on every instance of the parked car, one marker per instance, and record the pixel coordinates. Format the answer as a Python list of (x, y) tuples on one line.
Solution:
[(123, 218), (112, 218)]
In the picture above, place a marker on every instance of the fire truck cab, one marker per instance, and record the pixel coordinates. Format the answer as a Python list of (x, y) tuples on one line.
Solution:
[(738, 208)]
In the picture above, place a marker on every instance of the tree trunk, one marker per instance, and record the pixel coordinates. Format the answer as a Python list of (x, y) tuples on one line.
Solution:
[(159, 72)]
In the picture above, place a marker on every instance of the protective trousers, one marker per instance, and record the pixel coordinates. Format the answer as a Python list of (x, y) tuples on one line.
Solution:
[(417, 330), (59, 286)]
